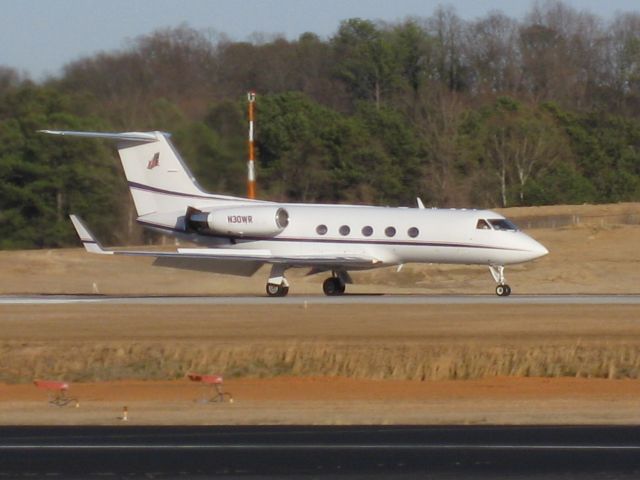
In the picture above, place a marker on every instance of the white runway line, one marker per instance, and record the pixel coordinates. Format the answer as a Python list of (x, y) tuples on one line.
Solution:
[(322, 300), (327, 447), (44, 301), (49, 299)]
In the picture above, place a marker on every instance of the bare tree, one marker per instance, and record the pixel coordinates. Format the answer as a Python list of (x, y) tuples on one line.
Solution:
[(176, 64), (623, 62), (9, 78), (524, 143), (447, 30), (438, 122)]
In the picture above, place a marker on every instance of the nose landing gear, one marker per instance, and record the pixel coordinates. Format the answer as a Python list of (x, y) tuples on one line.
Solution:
[(497, 272), (503, 290)]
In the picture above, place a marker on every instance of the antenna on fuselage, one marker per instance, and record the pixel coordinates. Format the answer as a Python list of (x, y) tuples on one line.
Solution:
[(420, 204), (251, 166)]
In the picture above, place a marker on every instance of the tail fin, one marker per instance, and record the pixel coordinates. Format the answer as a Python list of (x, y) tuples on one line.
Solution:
[(158, 179)]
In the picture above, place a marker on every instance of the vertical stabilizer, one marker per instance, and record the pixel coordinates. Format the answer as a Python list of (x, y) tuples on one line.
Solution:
[(158, 179)]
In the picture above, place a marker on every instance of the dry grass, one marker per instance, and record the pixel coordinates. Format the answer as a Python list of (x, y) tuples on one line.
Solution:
[(111, 342), (158, 361)]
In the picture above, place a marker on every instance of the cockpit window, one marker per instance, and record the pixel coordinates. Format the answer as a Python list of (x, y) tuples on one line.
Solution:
[(482, 225), (502, 224)]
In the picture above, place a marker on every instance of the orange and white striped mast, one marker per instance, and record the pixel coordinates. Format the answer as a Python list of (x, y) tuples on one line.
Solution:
[(251, 165)]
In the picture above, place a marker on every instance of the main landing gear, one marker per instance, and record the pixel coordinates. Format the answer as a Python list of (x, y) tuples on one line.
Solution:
[(336, 284), (274, 290), (333, 286), (497, 272), (277, 285)]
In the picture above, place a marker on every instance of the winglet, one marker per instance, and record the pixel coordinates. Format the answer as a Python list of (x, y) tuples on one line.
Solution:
[(91, 245)]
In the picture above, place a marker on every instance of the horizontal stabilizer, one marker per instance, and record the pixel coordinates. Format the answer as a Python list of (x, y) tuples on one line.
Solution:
[(143, 137)]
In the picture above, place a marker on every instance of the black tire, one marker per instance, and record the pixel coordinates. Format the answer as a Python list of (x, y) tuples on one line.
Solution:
[(333, 286), (503, 290), (330, 287)]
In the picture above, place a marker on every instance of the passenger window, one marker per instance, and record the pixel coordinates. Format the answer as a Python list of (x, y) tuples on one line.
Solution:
[(321, 229), (503, 224), (413, 232), (344, 230), (390, 231), (482, 225), (367, 231)]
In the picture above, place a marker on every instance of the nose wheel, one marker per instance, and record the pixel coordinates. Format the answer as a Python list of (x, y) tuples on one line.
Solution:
[(497, 272), (333, 286), (503, 290)]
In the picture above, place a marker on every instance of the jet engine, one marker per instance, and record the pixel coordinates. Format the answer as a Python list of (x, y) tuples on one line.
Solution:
[(239, 221)]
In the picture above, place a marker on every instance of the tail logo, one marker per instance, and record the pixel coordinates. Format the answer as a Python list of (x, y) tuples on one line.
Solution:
[(154, 162)]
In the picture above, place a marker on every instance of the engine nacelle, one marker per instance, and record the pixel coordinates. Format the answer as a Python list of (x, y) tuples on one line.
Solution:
[(238, 221)]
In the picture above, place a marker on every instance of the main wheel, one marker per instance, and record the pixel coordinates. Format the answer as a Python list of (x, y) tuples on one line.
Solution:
[(274, 290), (333, 286)]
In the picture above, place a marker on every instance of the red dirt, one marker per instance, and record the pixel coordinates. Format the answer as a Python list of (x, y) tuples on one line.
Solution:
[(286, 400)]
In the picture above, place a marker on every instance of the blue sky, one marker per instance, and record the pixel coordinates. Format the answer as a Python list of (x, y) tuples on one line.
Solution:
[(38, 37)]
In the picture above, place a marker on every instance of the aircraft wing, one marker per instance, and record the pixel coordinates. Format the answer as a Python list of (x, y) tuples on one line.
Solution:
[(256, 257)]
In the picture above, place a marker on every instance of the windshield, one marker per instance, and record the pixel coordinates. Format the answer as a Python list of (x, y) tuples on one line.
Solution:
[(502, 224), (482, 225)]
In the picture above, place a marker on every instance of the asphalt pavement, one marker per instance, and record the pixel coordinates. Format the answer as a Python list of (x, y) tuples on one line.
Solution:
[(590, 452)]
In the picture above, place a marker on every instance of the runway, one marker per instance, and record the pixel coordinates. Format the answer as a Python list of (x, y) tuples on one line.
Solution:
[(373, 299), (351, 452)]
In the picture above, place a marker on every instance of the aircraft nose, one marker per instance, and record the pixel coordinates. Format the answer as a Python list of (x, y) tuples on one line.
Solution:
[(538, 249)]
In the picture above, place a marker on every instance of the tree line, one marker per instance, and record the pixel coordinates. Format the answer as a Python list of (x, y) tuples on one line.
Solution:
[(483, 113)]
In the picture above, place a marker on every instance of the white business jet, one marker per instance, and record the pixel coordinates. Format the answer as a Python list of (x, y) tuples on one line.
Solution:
[(240, 235)]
